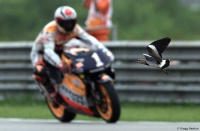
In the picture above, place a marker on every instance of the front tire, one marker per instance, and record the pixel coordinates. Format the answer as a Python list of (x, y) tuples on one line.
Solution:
[(60, 112), (109, 107)]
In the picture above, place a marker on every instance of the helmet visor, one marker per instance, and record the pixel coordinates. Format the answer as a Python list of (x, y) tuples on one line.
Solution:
[(68, 25)]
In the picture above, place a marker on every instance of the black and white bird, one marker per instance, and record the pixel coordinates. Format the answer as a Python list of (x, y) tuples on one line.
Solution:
[(154, 56)]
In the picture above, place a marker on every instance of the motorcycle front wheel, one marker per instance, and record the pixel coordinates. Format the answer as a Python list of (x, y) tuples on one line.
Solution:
[(109, 105), (60, 112)]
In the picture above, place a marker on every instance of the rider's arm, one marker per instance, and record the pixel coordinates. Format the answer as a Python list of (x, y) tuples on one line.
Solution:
[(50, 56), (35, 55), (82, 34)]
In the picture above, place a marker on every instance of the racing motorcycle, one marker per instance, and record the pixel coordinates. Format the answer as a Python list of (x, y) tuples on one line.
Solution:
[(89, 88)]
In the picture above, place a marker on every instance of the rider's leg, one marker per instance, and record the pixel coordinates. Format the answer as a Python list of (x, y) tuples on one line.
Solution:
[(41, 76), (55, 75)]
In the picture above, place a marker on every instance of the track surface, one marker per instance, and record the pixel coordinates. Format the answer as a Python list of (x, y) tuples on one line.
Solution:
[(53, 125)]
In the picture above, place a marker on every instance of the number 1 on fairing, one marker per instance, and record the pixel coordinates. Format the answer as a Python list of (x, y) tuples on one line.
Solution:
[(97, 59)]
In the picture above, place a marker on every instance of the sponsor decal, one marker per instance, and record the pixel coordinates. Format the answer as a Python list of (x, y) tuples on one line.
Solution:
[(82, 100)]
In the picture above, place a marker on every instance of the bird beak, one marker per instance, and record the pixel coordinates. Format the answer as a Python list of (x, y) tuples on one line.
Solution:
[(141, 61)]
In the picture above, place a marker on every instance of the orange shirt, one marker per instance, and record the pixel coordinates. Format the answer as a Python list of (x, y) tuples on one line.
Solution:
[(100, 13)]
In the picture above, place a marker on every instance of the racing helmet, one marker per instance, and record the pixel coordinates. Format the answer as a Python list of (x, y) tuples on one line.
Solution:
[(66, 18)]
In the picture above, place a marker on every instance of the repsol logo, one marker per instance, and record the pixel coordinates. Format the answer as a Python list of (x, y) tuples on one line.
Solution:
[(73, 96)]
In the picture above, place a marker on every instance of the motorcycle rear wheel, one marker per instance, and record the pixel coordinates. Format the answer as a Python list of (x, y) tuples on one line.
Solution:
[(109, 109), (60, 112)]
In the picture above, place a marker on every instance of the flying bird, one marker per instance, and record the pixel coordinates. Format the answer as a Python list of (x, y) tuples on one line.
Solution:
[(154, 56)]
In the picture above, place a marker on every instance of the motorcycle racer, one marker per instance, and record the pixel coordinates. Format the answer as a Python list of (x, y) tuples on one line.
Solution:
[(49, 44)]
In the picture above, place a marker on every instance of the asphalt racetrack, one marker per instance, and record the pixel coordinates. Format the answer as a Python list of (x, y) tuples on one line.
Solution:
[(54, 125)]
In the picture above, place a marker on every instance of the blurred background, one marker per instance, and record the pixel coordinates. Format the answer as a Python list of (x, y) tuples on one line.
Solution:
[(134, 19), (146, 93)]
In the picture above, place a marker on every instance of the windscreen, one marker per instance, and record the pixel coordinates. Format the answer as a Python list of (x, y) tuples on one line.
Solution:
[(75, 46)]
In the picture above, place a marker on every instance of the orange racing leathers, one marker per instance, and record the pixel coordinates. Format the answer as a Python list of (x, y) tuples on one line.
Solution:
[(48, 45)]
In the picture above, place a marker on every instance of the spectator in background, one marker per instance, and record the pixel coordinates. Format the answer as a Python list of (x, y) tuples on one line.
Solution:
[(99, 18)]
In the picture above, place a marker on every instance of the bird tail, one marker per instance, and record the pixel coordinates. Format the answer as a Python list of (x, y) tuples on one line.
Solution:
[(167, 63)]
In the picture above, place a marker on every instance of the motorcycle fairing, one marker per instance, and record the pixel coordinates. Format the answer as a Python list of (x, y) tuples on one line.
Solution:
[(90, 63), (73, 91), (76, 106)]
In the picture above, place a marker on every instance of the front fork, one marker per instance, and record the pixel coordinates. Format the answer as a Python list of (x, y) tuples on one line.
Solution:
[(104, 78), (95, 91)]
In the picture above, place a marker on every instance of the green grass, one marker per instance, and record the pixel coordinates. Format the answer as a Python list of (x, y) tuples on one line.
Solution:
[(160, 112), (130, 111)]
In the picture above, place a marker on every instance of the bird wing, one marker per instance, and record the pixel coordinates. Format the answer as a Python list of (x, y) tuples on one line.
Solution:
[(152, 51), (161, 45), (150, 60)]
